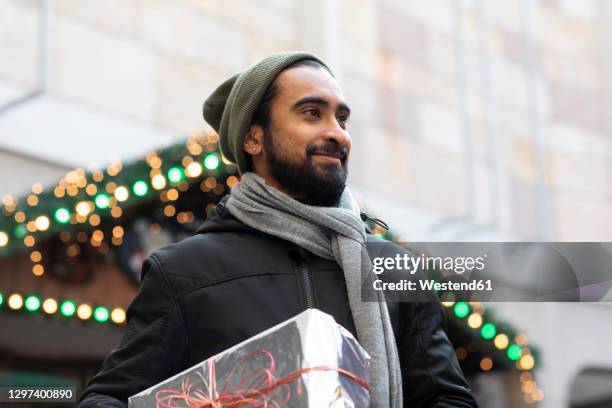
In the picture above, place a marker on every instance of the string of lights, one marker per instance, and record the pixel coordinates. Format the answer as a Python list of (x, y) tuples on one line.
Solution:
[(82, 199), (66, 308), (513, 346)]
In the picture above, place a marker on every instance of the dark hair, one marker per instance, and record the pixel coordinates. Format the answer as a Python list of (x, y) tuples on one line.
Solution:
[(262, 114)]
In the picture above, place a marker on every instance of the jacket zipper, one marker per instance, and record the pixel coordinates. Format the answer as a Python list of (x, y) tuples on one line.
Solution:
[(307, 283)]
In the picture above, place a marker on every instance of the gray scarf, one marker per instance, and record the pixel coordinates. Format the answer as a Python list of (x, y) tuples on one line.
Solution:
[(268, 210)]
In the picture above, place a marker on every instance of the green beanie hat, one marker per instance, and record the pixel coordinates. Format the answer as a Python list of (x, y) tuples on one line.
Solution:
[(230, 108)]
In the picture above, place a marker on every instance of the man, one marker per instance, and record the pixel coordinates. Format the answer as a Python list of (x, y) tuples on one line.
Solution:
[(287, 238)]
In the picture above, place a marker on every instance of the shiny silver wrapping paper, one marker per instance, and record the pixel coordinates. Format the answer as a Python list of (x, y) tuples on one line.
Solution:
[(306, 361)]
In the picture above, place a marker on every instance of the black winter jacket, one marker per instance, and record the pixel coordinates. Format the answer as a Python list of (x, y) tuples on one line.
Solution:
[(229, 282)]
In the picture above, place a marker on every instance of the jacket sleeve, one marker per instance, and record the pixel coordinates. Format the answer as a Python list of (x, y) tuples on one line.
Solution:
[(431, 375), (154, 347)]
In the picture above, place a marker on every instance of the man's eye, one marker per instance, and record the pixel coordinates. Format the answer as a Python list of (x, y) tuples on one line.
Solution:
[(342, 119), (312, 112)]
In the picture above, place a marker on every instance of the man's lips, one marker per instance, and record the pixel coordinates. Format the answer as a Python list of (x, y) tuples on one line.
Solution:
[(330, 157)]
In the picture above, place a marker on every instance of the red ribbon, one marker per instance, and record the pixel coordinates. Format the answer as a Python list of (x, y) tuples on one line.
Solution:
[(254, 388)]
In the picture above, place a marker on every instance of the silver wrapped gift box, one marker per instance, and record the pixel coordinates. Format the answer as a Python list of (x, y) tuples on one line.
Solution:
[(306, 361)]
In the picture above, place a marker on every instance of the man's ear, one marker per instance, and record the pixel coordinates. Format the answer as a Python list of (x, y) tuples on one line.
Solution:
[(253, 141)]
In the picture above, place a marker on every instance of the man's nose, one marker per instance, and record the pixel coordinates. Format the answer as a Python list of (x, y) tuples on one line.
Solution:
[(336, 133)]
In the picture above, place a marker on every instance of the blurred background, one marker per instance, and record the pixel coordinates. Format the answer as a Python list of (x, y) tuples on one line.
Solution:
[(472, 120)]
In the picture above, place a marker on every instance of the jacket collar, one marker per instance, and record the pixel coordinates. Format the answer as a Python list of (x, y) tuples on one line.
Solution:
[(219, 219)]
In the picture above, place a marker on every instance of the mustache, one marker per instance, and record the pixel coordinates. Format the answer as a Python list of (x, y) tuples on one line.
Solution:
[(329, 148)]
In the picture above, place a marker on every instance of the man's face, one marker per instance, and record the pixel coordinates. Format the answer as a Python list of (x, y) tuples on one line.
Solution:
[(306, 144)]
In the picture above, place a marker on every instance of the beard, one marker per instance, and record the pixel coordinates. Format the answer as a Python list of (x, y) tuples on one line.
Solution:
[(318, 184)]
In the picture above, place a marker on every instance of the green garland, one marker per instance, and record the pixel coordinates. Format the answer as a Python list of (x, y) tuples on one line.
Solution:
[(61, 212)]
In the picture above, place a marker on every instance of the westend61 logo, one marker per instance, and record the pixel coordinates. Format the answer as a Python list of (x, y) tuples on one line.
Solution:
[(411, 264)]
